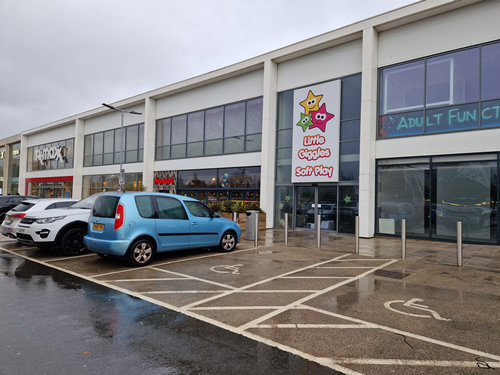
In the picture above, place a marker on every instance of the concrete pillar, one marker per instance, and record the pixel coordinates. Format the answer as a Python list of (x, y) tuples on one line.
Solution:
[(23, 161), (149, 143), (368, 133), (78, 149), (268, 159)]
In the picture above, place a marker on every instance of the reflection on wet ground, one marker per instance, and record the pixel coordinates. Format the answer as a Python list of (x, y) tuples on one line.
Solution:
[(370, 313)]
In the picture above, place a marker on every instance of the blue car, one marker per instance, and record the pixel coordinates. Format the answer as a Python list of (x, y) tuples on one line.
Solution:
[(138, 225)]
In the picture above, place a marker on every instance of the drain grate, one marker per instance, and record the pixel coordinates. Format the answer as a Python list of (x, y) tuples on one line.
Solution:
[(392, 274)]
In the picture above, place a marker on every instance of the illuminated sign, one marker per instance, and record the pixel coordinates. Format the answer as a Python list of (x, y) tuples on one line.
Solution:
[(51, 153), (168, 180), (316, 133)]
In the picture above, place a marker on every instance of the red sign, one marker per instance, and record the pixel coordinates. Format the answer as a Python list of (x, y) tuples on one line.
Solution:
[(169, 180)]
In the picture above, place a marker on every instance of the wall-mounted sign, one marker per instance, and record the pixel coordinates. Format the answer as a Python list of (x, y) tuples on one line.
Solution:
[(315, 154), (51, 153), (14, 153), (165, 181)]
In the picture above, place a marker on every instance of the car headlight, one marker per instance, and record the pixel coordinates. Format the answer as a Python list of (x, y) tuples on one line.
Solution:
[(48, 220)]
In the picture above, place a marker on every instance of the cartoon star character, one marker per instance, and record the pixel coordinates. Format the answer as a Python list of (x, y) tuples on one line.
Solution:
[(320, 118), (311, 103), (305, 121)]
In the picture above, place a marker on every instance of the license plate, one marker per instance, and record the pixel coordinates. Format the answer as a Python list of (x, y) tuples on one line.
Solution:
[(19, 230), (9, 218), (98, 226)]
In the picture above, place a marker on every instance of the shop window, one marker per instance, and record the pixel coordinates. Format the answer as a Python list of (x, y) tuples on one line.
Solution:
[(441, 93), (105, 148), (233, 128)]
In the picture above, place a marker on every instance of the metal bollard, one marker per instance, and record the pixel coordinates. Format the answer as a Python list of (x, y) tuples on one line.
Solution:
[(256, 238), (318, 230), (286, 229), (403, 238), (459, 244), (235, 215), (356, 234)]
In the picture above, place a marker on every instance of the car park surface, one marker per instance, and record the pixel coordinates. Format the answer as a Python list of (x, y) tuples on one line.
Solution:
[(28, 207), (138, 225), (367, 313)]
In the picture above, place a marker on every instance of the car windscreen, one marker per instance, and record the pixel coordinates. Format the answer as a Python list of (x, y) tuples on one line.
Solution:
[(86, 203), (24, 206), (105, 206)]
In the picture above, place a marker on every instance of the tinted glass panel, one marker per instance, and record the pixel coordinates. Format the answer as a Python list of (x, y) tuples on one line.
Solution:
[(351, 97), (197, 179), (402, 88), (490, 72), (453, 78), (214, 121), (195, 126), (349, 130), (179, 129), (285, 110), (234, 119), (254, 116)]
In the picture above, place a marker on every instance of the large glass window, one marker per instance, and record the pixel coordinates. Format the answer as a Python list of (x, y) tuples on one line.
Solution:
[(433, 194), (56, 155), (441, 93), (104, 148), (233, 128), (240, 184), (98, 183)]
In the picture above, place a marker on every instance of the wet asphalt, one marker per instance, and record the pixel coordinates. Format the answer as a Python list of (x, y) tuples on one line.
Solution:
[(56, 323), (273, 309)]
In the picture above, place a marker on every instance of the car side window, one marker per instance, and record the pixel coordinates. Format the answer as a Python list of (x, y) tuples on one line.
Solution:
[(51, 206), (198, 209), (170, 208), (62, 204), (144, 207)]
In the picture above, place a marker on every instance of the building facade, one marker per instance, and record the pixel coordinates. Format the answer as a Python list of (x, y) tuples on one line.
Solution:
[(395, 117)]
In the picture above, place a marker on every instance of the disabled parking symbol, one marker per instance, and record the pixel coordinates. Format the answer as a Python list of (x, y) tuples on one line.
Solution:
[(411, 303), (227, 269)]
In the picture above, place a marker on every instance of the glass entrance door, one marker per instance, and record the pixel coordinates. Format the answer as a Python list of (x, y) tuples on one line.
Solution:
[(312, 201), (305, 199), (327, 207)]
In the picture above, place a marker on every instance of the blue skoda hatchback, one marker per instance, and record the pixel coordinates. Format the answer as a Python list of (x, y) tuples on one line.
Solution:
[(138, 225)]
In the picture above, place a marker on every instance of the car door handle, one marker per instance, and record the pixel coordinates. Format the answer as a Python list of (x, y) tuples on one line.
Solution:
[(194, 223)]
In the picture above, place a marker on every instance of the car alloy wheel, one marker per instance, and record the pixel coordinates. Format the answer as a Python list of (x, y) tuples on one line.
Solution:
[(141, 253), (228, 242)]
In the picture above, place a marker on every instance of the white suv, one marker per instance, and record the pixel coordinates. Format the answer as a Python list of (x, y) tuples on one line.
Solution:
[(63, 228)]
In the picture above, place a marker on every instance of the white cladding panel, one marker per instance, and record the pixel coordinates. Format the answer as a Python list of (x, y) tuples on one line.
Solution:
[(464, 27), (52, 135), (325, 65), (112, 120), (231, 90), (452, 143)]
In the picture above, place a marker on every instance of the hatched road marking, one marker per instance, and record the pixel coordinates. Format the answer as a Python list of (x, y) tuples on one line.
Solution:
[(221, 291)]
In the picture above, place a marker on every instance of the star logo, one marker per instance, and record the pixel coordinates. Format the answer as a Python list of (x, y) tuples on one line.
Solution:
[(311, 103), (347, 199), (320, 118), (305, 121)]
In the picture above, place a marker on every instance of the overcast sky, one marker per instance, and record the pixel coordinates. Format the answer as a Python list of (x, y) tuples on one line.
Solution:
[(59, 58)]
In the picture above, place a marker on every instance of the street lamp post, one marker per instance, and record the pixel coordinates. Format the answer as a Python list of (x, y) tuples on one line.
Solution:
[(121, 182)]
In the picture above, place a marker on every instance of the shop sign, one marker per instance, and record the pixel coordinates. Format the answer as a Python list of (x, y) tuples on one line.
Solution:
[(51, 153), (169, 180), (315, 154), (14, 153), (439, 120)]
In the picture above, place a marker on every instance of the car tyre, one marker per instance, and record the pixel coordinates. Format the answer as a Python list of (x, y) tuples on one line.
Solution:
[(141, 253), (72, 242), (227, 242)]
